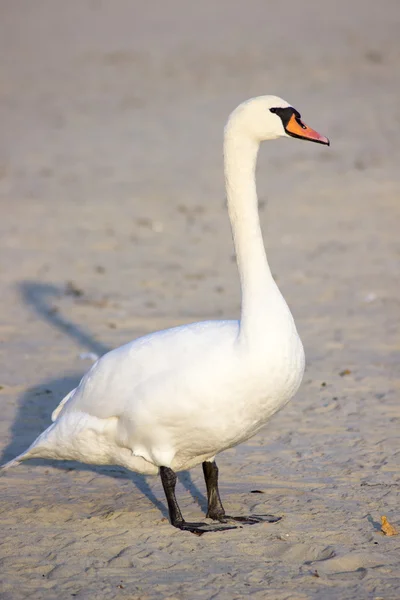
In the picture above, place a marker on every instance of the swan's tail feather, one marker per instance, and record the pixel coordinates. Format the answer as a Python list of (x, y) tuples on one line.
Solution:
[(40, 448), (8, 465), (14, 462)]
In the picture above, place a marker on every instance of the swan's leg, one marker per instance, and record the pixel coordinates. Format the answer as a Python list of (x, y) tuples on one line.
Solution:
[(168, 478), (216, 510)]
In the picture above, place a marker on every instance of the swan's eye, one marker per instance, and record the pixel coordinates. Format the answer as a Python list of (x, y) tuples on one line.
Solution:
[(273, 110), (298, 121)]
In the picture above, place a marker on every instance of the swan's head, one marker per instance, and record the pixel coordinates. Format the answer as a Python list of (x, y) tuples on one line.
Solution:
[(268, 118)]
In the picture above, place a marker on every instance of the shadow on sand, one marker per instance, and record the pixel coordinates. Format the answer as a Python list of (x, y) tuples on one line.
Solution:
[(37, 403)]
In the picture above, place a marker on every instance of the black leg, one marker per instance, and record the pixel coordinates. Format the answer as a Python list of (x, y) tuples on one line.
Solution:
[(168, 478), (215, 509)]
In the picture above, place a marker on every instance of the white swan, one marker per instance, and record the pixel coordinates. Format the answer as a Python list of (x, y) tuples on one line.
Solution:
[(175, 398)]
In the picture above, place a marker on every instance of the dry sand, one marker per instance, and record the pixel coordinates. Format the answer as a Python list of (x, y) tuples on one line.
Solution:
[(111, 178)]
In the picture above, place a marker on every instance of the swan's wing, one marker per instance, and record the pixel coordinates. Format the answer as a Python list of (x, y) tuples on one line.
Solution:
[(114, 381)]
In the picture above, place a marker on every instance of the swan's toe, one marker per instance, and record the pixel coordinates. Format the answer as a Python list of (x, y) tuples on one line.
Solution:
[(254, 519), (200, 528)]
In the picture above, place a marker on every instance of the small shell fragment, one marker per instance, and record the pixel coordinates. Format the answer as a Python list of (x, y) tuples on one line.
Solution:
[(387, 528)]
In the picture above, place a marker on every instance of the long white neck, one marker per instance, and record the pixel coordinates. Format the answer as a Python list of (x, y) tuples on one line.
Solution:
[(263, 308)]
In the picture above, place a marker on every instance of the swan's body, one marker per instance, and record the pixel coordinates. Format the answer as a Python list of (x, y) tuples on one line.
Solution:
[(175, 398)]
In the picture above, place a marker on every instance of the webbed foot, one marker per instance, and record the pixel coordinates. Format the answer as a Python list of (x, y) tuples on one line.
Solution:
[(251, 519), (200, 528)]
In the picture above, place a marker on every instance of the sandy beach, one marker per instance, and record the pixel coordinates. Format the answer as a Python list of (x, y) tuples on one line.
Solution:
[(113, 224)]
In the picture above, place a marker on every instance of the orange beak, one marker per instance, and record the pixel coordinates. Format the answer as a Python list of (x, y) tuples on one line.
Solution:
[(297, 129)]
